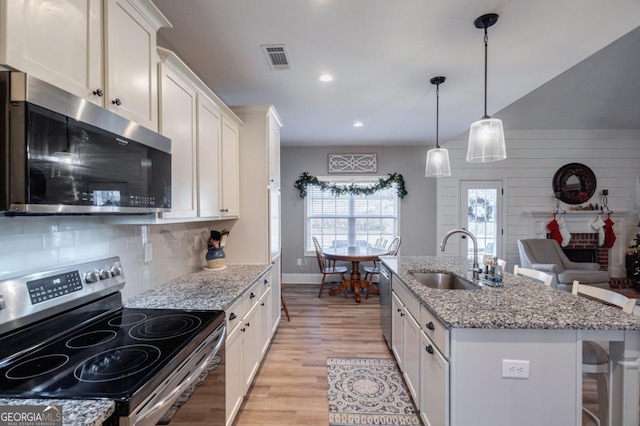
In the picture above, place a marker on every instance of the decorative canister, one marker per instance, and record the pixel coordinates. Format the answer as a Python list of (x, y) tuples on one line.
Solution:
[(215, 258)]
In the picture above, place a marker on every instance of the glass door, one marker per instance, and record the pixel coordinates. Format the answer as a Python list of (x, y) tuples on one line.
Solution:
[(481, 212)]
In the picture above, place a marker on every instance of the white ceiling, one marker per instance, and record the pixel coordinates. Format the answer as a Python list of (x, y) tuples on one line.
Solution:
[(383, 54)]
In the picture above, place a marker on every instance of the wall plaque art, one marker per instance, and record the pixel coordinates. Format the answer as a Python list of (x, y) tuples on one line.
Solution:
[(353, 163)]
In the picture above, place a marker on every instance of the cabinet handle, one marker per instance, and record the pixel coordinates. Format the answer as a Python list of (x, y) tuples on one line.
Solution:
[(232, 316), (248, 324), (266, 281), (430, 325), (262, 304), (429, 349), (98, 92), (401, 314), (116, 101), (252, 295), (399, 310), (243, 329)]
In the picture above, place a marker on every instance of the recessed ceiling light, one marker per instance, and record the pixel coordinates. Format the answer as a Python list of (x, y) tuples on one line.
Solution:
[(358, 124), (325, 77)]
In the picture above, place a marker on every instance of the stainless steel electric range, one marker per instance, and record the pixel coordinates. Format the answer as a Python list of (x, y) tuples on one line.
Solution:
[(64, 334)]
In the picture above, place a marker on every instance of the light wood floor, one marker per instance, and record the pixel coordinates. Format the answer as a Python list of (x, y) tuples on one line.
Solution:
[(291, 386)]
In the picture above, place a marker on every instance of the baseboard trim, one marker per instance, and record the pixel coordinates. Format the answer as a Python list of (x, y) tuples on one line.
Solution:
[(311, 279)]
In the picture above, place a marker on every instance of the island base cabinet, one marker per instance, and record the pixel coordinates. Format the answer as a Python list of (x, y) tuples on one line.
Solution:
[(434, 384), (480, 396)]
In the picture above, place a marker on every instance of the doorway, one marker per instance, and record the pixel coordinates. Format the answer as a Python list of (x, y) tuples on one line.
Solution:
[(481, 212)]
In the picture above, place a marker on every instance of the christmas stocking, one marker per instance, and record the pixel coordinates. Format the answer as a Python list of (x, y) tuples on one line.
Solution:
[(554, 231), (566, 235), (598, 226), (609, 235)]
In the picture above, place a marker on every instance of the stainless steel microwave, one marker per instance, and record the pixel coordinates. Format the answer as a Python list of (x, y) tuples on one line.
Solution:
[(61, 154)]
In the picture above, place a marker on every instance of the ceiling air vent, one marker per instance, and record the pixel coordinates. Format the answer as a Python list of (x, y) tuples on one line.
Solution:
[(276, 56)]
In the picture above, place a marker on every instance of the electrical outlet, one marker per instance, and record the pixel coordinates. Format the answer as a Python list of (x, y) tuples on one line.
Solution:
[(515, 369), (299, 262)]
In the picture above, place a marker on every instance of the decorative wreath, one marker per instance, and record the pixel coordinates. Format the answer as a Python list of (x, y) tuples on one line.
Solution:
[(483, 214), (306, 179)]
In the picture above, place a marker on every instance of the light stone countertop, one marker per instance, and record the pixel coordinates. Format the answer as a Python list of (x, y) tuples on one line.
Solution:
[(519, 304), (202, 290), (74, 412)]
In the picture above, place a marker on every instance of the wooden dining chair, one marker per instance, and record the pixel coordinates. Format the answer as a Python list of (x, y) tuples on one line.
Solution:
[(532, 273), (370, 271), (595, 355), (328, 267)]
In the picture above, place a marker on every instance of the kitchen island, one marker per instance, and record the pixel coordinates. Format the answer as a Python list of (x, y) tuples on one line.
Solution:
[(540, 328)]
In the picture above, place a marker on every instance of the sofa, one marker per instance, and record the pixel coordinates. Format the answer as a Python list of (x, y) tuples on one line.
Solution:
[(547, 256)]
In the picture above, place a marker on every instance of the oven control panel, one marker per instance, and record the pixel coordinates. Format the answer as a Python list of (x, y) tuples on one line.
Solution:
[(51, 287), (46, 292)]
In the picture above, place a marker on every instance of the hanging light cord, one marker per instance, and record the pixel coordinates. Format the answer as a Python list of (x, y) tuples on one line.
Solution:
[(486, 43), (437, 112)]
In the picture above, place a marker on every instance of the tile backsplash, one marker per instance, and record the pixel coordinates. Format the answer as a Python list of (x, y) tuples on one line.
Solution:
[(31, 243)]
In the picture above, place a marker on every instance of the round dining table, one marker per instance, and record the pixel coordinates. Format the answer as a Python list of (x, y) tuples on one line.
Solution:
[(355, 255)]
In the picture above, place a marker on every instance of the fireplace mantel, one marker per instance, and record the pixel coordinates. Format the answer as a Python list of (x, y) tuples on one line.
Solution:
[(580, 222)]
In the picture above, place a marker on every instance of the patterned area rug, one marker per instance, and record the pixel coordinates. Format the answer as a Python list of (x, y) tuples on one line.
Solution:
[(366, 391)]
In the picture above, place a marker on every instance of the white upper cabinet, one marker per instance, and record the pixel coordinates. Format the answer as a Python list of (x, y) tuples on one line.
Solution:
[(59, 42), (100, 50), (230, 167), (209, 150), (204, 152), (178, 122)]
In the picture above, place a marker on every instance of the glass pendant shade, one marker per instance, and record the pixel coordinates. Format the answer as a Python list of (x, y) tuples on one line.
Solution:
[(486, 141), (438, 163)]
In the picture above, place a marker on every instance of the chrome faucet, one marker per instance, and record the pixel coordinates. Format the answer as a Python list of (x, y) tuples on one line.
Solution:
[(443, 243)]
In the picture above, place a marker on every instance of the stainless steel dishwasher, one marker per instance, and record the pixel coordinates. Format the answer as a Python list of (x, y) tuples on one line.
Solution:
[(385, 303)]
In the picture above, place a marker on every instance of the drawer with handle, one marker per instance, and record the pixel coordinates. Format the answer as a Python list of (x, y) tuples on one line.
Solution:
[(433, 328)]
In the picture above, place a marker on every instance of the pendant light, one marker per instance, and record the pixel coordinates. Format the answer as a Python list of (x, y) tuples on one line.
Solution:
[(486, 136), (438, 158)]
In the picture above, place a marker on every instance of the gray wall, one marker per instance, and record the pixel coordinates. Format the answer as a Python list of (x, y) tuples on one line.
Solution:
[(417, 209)]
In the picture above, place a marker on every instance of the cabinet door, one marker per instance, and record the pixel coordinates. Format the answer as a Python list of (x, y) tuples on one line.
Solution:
[(411, 352), (233, 373), (274, 153), (434, 384), (230, 203), (59, 42), (265, 318), (251, 342), (208, 154), (178, 115), (130, 59), (397, 334), (276, 303)]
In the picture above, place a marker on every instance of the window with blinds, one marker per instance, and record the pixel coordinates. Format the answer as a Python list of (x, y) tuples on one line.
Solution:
[(349, 220)]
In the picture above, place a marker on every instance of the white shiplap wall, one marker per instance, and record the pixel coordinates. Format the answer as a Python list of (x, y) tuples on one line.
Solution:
[(534, 156)]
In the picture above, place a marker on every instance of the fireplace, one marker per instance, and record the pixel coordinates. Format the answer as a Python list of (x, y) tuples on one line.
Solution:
[(582, 255)]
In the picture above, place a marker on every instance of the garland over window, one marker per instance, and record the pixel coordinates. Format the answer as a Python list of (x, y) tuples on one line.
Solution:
[(306, 179)]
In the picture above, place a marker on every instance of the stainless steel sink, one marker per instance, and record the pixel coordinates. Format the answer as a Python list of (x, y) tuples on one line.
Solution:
[(444, 281)]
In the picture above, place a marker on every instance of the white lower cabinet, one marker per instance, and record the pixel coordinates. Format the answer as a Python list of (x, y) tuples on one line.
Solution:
[(397, 334), (264, 305), (411, 351), (434, 384), (249, 335)]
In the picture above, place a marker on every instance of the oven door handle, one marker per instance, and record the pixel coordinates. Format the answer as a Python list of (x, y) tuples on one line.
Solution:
[(220, 335)]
